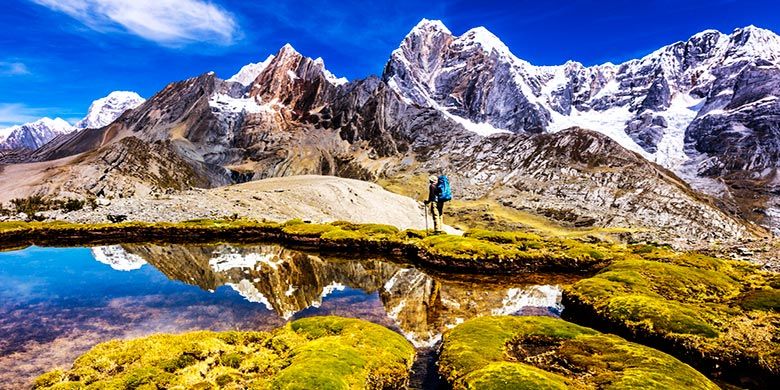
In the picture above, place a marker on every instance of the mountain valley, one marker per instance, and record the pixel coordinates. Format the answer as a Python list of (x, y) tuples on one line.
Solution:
[(677, 146)]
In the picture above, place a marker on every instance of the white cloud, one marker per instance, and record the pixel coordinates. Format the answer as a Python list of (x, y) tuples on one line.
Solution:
[(18, 113), (167, 22), (13, 69)]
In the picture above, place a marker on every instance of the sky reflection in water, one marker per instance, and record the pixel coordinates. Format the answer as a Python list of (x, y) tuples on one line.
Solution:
[(56, 303)]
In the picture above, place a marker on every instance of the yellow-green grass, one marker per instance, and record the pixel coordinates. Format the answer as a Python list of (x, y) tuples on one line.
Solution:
[(489, 214), (477, 250), (720, 314), (548, 353), (316, 352)]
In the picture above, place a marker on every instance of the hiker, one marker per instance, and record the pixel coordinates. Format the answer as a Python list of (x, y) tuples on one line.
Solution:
[(438, 193)]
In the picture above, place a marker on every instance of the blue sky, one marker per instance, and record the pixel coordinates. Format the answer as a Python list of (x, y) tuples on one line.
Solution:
[(56, 56)]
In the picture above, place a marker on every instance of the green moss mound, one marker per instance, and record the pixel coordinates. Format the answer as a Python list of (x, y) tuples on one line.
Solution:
[(549, 353), (717, 314), (478, 250), (316, 352)]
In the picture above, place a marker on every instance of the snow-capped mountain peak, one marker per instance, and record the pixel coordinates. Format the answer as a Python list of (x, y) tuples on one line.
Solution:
[(755, 42), (34, 134), (486, 39), (56, 123), (105, 110), (102, 112), (288, 50), (333, 79), (426, 25), (432, 67), (249, 72), (646, 104)]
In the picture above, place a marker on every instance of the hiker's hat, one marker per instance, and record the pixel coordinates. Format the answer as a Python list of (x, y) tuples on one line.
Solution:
[(433, 179)]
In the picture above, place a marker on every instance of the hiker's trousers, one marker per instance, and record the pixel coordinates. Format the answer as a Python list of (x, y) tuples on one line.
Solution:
[(437, 208)]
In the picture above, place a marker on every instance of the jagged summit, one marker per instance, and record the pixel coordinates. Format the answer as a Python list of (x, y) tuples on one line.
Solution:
[(248, 73), (288, 48), (429, 25), (486, 39), (287, 57), (105, 110), (34, 134)]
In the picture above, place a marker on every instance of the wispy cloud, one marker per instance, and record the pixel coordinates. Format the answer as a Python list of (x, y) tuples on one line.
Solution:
[(13, 69), (18, 113), (166, 22)]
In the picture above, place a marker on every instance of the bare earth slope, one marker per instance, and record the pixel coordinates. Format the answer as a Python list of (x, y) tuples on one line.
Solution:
[(314, 198)]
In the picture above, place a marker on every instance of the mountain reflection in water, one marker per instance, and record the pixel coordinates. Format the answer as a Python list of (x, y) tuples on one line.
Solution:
[(59, 302), (289, 282)]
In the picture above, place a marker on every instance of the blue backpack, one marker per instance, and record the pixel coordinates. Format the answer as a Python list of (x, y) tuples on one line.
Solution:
[(445, 193)]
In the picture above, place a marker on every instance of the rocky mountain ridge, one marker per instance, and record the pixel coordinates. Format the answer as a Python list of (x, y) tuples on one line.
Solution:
[(103, 111), (296, 118), (34, 134), (477, 78), (706, 108)]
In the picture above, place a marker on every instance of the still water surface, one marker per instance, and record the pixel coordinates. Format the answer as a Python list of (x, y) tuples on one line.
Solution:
[(56, 303)]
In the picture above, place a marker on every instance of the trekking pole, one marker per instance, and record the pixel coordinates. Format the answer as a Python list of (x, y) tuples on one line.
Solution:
[(425, 209)]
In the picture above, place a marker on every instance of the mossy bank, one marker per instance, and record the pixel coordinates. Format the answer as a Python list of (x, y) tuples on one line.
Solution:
[(720, 316), (316, 352), (478, 251), (548, 353)]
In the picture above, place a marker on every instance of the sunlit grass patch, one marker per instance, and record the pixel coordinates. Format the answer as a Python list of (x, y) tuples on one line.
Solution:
[(315, 352), (692, 301), (549, 353)]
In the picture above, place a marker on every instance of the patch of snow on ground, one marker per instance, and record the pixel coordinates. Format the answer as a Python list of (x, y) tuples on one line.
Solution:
[(611, 122), (671, 148), (484, 129), (292, 75), (226, 103)]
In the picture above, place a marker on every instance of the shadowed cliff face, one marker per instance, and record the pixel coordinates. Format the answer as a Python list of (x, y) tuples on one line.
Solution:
[(289, 282)]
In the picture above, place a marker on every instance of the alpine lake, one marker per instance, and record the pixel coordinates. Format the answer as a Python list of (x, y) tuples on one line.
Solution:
[(58, 302)]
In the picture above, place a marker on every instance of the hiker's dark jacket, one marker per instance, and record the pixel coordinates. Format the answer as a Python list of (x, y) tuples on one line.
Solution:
[(433, 192)]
